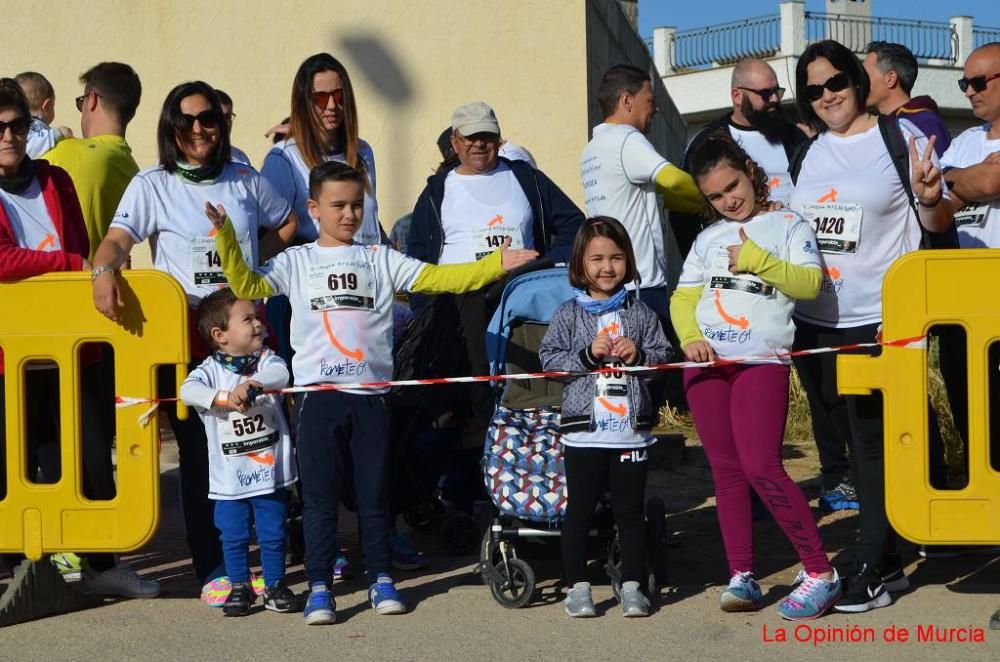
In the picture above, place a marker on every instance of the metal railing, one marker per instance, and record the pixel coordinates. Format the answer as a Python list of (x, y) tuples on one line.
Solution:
[(928, 40), (727, 42), (981, 36)]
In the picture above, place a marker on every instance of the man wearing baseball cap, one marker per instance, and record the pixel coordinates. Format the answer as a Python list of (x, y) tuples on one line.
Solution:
[(470, 208)]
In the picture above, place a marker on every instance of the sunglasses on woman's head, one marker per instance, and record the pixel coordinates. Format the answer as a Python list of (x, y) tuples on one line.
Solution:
[(977, 83), (322, 99), (834, 83), (18, 126), (209, 119)]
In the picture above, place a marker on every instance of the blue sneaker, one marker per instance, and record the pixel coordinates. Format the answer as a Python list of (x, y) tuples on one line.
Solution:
[(341, 568), (384, 598), (742, 594), (842, 497), (811, 598), (404, 556), (320, 607)]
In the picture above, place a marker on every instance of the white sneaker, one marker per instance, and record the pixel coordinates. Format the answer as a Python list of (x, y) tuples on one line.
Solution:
[(121, 581)]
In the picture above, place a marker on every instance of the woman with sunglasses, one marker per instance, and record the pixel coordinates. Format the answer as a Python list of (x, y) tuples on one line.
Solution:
[(323, 127), (849, 189), (166, 204), (42, 231)]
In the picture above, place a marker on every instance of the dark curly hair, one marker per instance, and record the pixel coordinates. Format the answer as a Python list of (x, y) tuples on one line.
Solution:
[(719, 148)]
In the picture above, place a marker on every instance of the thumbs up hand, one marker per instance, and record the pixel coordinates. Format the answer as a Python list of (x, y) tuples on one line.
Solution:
[(734, 252)]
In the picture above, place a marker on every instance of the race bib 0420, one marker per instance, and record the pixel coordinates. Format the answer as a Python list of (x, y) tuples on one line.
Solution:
[(837, 225)]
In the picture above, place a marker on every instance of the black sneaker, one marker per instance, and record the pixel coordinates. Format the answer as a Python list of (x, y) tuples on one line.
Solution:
[(240, 598), (279, 598), (865, 591), (892, 574)]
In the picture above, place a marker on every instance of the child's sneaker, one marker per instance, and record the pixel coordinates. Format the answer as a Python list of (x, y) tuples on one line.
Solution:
[(384, 598), (279, 597), (341, 568), (241, 597), (69, 565), (742, 594), (811, 598), (634, 603), (321, 608), (257, 584), (842, 497), (579, 603), (404, 556), (215, 592)]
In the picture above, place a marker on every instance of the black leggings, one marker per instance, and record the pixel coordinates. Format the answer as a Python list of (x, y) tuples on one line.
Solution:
[(588, 471), (864, 431)]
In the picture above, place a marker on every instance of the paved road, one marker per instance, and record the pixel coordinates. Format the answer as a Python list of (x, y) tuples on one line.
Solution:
[(454, 617)]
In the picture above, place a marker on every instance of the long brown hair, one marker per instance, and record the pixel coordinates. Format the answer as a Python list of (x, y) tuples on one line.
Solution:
[(310, 137), (719, 148)]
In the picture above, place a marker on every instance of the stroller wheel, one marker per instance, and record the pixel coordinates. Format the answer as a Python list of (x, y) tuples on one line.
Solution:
[(458, 533), (656, 539), (518, 588), (422, 517)]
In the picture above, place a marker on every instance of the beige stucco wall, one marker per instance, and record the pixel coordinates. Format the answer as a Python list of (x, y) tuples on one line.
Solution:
[(411, 63)]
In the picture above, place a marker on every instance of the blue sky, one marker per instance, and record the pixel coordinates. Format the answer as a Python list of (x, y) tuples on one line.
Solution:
[(686, 14)]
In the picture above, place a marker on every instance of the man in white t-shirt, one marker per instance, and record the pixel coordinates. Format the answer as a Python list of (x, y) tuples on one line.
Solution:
[(624, 177), (971, 167), (758, 123)]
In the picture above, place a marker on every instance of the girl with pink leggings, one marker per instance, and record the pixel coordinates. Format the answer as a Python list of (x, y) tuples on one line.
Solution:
[(734, 300)]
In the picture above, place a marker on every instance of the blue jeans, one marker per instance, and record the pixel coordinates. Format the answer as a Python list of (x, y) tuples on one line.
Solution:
[(329, 419), (233, 521)]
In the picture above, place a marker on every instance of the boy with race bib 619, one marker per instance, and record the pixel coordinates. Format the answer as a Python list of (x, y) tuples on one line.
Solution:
[(341, 295)]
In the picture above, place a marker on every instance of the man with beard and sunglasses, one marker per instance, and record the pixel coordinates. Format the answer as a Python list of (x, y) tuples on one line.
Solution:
[(759, 124)]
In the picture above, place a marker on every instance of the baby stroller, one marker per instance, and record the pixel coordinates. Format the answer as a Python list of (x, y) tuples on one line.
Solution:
[(522, 461)]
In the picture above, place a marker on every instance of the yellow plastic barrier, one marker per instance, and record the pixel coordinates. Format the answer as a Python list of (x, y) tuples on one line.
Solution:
[(923, 289), (48, 318)]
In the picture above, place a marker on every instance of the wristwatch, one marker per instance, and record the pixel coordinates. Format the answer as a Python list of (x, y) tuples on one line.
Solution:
[(100, 270)]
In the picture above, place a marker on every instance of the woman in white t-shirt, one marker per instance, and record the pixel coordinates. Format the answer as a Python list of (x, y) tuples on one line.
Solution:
[(734, 300), (166, 204), (323, 127), (849, 190)]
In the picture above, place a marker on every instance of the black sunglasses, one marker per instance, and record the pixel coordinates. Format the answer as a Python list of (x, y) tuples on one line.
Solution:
[(834, 83), (18, 126), (766, 94), (83, 97), (209, 119), (978, 83)]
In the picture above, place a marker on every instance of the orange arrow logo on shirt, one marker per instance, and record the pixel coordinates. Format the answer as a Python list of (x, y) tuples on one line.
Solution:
[(774, 183), (496, 220), (357, 354), (829, 197), (832, 272), (609, 330), (740, 321), (262, 458), (621, 410), (49, 240)]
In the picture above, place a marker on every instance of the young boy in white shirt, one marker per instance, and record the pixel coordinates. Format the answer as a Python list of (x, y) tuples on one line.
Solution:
[(249, 449), (341, 295)]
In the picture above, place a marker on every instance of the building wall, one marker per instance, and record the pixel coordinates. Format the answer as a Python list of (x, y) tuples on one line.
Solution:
[(411, 64)]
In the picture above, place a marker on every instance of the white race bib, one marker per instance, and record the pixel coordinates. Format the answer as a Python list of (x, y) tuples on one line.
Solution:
[(206, 265), (342, 283), (973, 215), (611, 384), (837, 225), (249, 432), (720, 278), (488, 239)]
